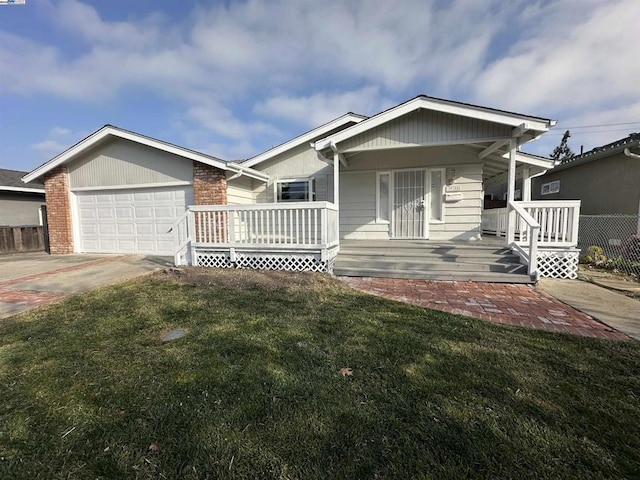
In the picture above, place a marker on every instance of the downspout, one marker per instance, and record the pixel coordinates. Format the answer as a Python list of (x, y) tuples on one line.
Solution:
[(628, 153)]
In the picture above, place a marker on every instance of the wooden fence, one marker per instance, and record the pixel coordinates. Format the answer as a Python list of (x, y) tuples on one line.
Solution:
[(21, 239)]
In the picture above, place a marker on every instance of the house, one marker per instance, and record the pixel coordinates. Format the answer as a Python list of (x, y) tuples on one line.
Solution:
[(19, 202), (606, 179), (410, 175)]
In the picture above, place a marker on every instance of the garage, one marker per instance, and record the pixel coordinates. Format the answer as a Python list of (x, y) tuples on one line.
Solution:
[(130, 220)]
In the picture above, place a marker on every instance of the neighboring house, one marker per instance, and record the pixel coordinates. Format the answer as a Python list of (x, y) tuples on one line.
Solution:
[(19, 202), (415, 172), (606, 179)]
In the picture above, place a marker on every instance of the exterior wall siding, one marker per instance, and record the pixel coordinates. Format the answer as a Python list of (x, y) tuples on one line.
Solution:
[(18, 209), (358, 192), (425, 127), (240, 191), (607, 185), (122, 162), (56, 186), (300, 162)]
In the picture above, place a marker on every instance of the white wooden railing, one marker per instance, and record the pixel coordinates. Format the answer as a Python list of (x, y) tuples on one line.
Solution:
[(539, 230), (291, 227), (529, 230), (558, 222)]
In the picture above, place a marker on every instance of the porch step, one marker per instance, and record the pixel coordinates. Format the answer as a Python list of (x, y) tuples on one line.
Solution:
[(460, 262)]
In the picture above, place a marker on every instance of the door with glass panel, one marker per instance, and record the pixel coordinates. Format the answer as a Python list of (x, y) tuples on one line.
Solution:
[(408, 204)]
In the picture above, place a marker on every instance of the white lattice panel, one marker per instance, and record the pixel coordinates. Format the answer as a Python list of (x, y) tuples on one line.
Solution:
[(293, 262), (289, 262), (213, 259), (558, 264)]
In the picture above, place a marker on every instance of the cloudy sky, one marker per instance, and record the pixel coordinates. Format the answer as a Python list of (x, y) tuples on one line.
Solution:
[(234, 78)]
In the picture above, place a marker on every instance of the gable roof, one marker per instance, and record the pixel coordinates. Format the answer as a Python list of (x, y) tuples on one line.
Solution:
[(11, 181), (109, 131), (537, 125), (613, 148), (344, 120)]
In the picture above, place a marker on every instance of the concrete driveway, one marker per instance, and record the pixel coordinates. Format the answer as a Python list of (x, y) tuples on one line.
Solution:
[(28, 280)]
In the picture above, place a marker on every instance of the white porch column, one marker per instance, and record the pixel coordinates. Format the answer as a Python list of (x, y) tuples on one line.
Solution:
[(526, 184), (336, 188), (511, 189)]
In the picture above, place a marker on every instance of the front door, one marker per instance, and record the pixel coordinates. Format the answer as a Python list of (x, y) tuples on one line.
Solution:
[(408, 212)]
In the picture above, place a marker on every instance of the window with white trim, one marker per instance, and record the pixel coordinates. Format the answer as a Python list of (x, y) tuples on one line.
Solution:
[(383, 207), (551, 187), (294, 190), (435, 202)]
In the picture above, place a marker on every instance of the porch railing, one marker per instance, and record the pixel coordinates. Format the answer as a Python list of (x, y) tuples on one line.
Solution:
[(529, 229), (558, 222), (275, 227)]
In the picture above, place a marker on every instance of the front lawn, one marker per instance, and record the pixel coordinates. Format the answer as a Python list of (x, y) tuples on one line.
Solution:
[(299, 377)]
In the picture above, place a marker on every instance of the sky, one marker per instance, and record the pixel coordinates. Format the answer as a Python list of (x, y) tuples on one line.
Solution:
[(235, 78)]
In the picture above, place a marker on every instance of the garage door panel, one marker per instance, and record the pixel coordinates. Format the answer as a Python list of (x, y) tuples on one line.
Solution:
[(89, 229), (142, 213), (133, 221), (124, 212), (145, 229), (125, 229), (104, 198), (105, 213), (87, 214), (123, 198), (143, 197), (107, 229)]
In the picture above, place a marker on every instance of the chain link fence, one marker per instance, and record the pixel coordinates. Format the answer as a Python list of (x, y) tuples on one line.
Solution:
[(611, 242)]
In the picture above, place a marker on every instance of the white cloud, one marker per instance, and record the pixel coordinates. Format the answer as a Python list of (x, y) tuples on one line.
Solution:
[(238, 68), (319, 108), (575, 62), (49, 148)]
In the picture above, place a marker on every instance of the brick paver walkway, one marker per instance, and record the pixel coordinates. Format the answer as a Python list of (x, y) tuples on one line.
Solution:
[(10, 291), (519, 305)]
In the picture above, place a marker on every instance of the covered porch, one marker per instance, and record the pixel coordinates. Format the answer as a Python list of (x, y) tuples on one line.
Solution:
[(416, 172)]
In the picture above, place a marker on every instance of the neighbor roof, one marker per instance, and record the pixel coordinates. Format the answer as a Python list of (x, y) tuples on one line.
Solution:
[(538, 125), (11, 181), (613, 148), (109, 131)]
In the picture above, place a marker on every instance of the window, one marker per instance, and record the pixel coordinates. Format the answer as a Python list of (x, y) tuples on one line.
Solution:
[(551, 187), (384, 197), (294, 190), (435, 204)]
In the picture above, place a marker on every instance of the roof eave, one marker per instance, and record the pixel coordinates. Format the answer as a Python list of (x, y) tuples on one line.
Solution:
[(304, 138), (536, 125), (110, 131)]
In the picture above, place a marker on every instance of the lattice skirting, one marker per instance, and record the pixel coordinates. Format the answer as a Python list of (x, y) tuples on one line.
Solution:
[(294, 262), (558, 263)]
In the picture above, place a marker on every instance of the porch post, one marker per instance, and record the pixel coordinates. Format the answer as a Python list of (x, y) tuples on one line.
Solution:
[(336, 188), (526, 184), (511, 189)]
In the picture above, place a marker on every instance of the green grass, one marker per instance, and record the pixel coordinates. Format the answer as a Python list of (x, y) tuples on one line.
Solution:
[(88, 390)]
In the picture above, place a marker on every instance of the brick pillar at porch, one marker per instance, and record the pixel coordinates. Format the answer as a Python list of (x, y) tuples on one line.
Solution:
[(209, 185), (210, 188), (56, 187)]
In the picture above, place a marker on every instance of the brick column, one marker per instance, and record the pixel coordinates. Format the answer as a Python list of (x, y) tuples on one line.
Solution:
[(209, 185), (56, 188), (210, 188)]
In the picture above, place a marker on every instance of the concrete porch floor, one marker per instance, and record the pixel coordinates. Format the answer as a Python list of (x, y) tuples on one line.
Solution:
[(507, 304)]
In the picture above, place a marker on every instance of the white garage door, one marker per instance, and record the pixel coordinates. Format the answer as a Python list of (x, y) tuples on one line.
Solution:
[(130, 221)]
